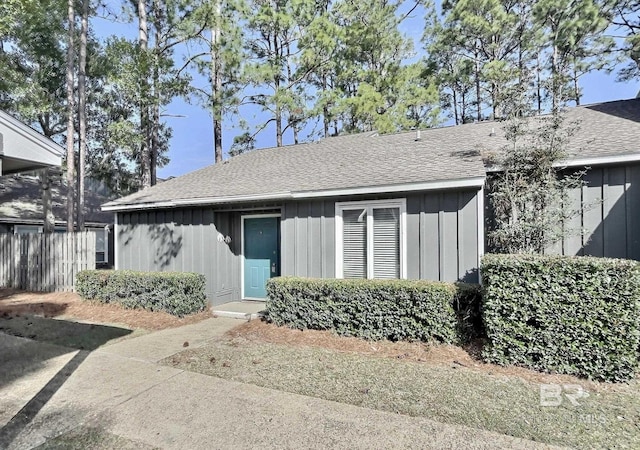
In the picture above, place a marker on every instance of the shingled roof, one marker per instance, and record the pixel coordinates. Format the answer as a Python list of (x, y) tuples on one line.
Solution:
[(450, 156), (21, 202)]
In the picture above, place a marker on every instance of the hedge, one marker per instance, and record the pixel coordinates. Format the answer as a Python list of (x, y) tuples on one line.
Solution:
[(177, 293), (375, 309), (571, 315)]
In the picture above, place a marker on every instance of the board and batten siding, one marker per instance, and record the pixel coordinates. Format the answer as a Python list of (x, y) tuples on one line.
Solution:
[(184, 240), (442, 240), (441, 226), (610, 214), (608, 222)]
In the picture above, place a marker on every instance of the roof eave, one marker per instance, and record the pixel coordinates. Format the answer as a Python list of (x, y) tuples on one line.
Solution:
[(468, 182), (585, 162), (29, 133)]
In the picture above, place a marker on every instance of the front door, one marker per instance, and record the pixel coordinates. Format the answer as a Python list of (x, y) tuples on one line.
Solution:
[(261, 254)]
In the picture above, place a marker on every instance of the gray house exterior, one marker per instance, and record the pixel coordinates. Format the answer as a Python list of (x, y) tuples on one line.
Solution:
[(23, 149), (406, 205)]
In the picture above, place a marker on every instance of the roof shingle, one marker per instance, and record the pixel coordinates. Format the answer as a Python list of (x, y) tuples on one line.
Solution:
[(370, 160)]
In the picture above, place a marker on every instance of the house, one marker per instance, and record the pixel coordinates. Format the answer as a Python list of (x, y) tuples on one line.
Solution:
[(21, 211), (406, 205), (23, 149)]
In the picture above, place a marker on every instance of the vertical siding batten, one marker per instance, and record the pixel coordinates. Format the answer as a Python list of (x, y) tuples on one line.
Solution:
[(414, 243)]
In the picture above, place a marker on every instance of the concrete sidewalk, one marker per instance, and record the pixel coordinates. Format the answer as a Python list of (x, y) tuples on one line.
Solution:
[(121, 391)]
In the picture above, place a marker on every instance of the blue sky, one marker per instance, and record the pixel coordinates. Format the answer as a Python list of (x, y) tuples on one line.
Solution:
[(191, 146)]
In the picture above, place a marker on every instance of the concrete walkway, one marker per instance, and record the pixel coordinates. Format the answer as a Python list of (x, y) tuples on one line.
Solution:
[(122, 392), (240, 310)]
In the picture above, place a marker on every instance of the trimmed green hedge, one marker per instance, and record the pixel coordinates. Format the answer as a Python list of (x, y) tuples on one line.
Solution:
[(177, 293), (571, 315), (375, 309)]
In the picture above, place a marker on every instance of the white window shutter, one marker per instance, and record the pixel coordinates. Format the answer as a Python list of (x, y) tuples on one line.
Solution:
[(386, 243), (354, 243)]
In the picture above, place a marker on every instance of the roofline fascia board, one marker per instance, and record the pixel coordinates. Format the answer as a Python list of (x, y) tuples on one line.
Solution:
[(476, 182), (27, 168), (589, 161), (472, 182), (18, 221), (196, 202), (28, 132)]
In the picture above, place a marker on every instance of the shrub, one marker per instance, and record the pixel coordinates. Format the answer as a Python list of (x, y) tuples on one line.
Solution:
[(572, 315), (374, 309), (177, 293)]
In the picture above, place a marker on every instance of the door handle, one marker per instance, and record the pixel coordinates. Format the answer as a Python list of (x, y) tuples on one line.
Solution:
[(273, 268)]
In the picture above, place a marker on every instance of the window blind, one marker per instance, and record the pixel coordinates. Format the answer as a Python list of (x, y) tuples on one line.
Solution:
[(354, 255), (386, 243)]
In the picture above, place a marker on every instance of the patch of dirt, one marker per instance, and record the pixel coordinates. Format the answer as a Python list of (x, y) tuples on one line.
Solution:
[(439, 354), (69, 305)]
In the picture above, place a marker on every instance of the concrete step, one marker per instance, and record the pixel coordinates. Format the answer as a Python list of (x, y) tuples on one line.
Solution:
[(244, 310)]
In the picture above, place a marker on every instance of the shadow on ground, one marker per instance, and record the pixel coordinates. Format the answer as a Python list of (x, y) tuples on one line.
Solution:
[(27, 342)]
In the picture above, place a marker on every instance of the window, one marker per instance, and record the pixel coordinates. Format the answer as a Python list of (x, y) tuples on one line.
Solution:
[(370, 239), (26, 229), (102, 240)]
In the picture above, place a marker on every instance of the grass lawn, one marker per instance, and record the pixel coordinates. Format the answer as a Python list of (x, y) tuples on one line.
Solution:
[(441, 388)]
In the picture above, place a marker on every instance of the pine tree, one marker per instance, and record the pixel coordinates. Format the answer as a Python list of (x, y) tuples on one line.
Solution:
[(71, 167)]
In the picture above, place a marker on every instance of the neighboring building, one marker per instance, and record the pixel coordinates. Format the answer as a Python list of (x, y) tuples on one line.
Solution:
[(21, 211), (23, 151), (405, 205)]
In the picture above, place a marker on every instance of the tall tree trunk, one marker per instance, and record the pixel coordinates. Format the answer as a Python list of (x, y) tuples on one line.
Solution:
[(478, 92), (155, 104), (82, 110), (276, 83), (495, 95), (463, 107), (71, 166), (45, 184), (555, 81), (576, 86), (455, 106), (155, 129), (145, 147), (538, 85), (294, 118), (325, 107), (278, 126), (216, 82)]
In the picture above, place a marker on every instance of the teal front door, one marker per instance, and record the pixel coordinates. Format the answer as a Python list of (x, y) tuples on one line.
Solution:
[(261, 254)]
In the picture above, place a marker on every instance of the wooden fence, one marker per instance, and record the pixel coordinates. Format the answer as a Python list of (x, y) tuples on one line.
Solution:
[(45, 262)]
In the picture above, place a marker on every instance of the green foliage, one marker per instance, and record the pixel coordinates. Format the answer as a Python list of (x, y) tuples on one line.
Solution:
[(242, 144), (376, 309), (628, 20), (32, 57), (573, 315), (529, 197), (571, 32), (176, 293)]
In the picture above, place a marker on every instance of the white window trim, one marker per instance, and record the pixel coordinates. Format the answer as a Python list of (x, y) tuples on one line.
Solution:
[(400, 203), (105, 232), (32, 229)]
